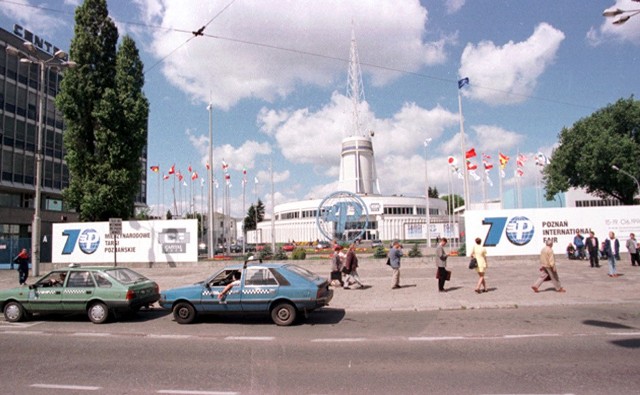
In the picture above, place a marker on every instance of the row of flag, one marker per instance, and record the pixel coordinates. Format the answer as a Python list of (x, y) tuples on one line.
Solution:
[(194, 174), (540, 159)]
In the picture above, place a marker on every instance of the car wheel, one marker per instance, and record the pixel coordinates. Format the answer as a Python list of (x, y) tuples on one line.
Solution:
[(98, 313), (14, 312), (184, 313), (283, 314)]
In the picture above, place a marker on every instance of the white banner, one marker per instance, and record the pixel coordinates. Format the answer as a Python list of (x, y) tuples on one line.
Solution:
[(524, 231), (419, 231), (140, 241)]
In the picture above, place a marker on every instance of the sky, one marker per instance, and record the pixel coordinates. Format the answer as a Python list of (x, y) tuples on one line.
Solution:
[(273, 76)]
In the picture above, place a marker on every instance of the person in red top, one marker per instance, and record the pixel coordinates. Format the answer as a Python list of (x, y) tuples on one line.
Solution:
[(23, 266)]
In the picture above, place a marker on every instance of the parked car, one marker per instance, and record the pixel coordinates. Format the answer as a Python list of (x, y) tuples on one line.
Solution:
[(99, 292), (376, 243), (323, 245), (281, 290), (288, 247)]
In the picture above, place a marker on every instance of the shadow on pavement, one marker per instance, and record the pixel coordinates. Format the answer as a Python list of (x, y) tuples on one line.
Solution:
[(325, 316), (627, 343), (606, 324)]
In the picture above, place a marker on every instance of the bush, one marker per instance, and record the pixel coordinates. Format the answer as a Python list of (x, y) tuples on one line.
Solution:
[(280, 255), (379, 252), (415, 251), (265, 253), (299, 254), (462, 251)]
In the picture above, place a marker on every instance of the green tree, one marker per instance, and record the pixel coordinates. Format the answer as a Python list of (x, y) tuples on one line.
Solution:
[(105, 115), (587, 150), (255, 215), (433, 192), (453, 203)]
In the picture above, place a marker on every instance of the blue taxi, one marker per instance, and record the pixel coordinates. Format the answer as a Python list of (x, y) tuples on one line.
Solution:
[(281, 290)]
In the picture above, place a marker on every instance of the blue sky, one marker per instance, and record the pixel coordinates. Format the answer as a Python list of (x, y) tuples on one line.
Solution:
[(276, 74)]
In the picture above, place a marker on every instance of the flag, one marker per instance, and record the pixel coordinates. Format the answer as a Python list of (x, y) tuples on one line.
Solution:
[(504, 159), (488, 166), (486, 176), (541, 159), (471, 153), (189, 169), (201, 182), (225, 165), (471, 166), (485, 161), (463, 82), (519, 172), (194, 176), (474, 175), (452, 161), (208, 166), (520, 160), (155, 169), (185, 184), (172, 170), (255, 180), (179, 175), (166, 177), (227, 178), (455, 170)]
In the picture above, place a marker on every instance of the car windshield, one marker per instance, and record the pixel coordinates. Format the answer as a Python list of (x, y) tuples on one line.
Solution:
[(302, 272), (125, 276)]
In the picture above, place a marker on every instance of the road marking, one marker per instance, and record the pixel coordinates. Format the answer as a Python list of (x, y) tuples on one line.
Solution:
[(624, 333), (91, 334), (340, 340), (433, 338), (257, 338), (531, 335), (66, 387), (154, 336), (185, 392)]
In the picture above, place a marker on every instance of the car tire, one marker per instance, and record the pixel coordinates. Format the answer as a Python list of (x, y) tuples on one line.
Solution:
[(283, 314), (184, 313), (14, 312), (98, 313)]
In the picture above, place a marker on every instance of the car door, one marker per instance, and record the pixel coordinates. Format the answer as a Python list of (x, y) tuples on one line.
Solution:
[(210, 302), (260, 288), (78, 289), (46, 294)]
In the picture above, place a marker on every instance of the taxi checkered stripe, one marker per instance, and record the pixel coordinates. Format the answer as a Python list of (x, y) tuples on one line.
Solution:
[(74, 291), (257, 291)]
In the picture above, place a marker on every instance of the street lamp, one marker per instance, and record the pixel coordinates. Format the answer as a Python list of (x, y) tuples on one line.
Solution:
[(426, 191), (57, 61), (616, 168), (623, 15)]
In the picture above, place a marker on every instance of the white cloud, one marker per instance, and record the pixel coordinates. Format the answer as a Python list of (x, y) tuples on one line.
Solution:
[(231, 67), (628, 32), (508, 74), (238, 158), (453, 6), (37, 20), (491, 139)]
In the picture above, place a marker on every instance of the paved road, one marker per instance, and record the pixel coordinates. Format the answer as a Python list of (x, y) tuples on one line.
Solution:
[(551, 349)]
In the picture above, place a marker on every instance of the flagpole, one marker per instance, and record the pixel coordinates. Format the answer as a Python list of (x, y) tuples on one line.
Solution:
[(244, 190), (210, 194), (500, 176), (462, 147)]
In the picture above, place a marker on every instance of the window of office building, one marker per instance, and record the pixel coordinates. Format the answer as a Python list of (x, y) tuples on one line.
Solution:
[(18, 169), (9, 131), (20, 134), (7, 166), (32, 106), (48, 174), (10, 98), (30, 138), (9, 200), (29, 170), (21, 103)]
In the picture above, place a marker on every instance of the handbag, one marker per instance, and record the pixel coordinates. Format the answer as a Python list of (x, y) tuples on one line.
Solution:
[(447, 276), (389, 261), (345, 270), (473, 263)]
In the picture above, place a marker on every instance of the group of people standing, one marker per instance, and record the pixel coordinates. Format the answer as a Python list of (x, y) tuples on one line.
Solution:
[(609, 249), (344, 267)]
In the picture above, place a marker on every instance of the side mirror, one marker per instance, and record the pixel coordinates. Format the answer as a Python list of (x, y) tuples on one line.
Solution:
[(33, 286)]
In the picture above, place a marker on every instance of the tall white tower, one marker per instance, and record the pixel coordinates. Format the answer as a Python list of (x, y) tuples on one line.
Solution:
[(357, 162)]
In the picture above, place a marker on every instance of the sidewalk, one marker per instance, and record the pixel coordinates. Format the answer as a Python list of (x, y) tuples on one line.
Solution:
[(509, 280)]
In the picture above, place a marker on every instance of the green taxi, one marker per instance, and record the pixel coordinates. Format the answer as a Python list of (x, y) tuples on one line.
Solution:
[(99, 292)]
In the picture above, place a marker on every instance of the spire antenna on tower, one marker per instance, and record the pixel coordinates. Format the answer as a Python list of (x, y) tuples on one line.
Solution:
[(355, 90)]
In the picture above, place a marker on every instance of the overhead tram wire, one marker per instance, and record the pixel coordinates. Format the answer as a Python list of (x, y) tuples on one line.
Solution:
[(200, 32)]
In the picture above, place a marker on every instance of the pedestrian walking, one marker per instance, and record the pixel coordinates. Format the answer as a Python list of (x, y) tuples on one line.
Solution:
[(351, 265), (480, 253), (612, 251), (548, 270), (22, 259), (395, 254), (441, 261), (336, 266), (578, 241), (632, 247), (593, 249)]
